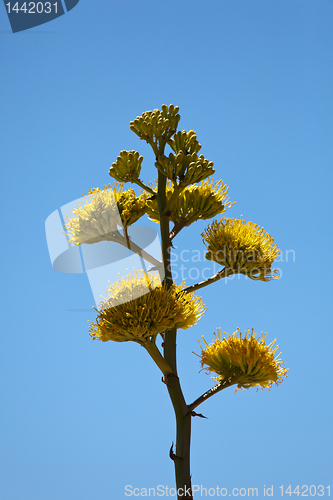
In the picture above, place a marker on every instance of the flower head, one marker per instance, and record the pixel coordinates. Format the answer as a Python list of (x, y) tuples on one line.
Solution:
[(246, 361), (199, 201), (139, 307), (243, 247), (102, 211)]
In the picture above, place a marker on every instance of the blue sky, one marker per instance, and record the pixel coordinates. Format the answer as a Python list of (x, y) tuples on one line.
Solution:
[(253, 78)]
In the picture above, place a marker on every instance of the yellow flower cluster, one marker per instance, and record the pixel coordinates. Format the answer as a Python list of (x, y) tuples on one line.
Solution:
[(246, 361), (139, 307), (243, 247), (199, 201), (153, 125), (97, 219), (127, 167)]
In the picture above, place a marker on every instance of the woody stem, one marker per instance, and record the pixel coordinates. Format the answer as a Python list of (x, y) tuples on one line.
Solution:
[(183, 417)]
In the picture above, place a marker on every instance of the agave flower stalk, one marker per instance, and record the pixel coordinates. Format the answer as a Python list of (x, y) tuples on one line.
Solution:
[(140, 306)]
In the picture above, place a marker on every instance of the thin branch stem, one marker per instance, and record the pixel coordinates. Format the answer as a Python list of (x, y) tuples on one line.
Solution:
[(156, 149), (221, 274), (127, 237), (176, 229), (156, 355), (125, 241), (209, 394), (146, 188), (136, 249)]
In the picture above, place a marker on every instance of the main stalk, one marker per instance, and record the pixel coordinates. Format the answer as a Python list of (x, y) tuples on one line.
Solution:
[(181, 456)]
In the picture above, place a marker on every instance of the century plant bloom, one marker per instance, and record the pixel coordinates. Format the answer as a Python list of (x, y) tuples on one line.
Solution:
[(104, 209), (242, 247), (139, 307), (246, 361), (199, 201)]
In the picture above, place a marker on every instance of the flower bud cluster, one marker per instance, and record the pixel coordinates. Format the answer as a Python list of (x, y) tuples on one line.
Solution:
[(154, 125), (185, 169), (185, 141), (127, 167)]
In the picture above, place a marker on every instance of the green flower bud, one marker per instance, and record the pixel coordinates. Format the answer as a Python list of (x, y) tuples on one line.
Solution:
[(127, 167), (185, 141), (154, 125), (184, 169)]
